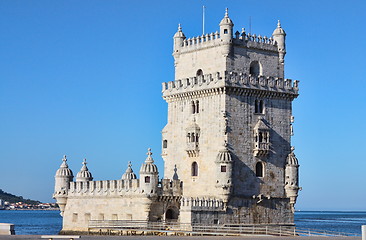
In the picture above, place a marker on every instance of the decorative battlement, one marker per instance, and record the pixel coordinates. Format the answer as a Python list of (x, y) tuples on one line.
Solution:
[(231, 79), (107, 187), (120, 187), (203, 204), (243, 39)]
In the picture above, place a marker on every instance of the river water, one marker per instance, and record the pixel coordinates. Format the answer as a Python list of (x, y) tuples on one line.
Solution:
[(38, 222)]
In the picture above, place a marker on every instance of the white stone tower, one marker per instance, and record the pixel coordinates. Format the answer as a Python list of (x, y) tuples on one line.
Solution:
[(63, 178), (229, 90)]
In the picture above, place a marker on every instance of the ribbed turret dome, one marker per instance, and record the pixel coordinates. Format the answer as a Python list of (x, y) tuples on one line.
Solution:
[(279, 30), (149, 166), (128, 175), (179, 33), (291, 158), (226, 20), (64, 170), (224, 155), (84, 174)]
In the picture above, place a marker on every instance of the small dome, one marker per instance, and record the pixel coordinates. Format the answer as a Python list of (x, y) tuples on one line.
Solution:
[(128, 175), (149, 166), (84, 174), (179, 33), (279, 30), (224, 155), (64, 170), (226, 20), (291, 158)]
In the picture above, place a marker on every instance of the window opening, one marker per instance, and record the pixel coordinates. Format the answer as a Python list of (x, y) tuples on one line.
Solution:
[(255, 69), (259, 169), (147, 179), (194, 169), (165, 143), (225, 31), (223, 168)]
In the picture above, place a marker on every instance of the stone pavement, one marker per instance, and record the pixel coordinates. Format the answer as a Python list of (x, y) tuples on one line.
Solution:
[(14, 237)]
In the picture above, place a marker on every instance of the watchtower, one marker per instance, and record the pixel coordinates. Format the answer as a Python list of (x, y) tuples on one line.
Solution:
[(229, 127)]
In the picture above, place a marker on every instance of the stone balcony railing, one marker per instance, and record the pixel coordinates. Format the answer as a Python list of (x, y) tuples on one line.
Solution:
[(231, 79)]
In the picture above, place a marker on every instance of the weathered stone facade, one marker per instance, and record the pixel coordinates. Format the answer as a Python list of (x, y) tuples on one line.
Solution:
[(226, 145)]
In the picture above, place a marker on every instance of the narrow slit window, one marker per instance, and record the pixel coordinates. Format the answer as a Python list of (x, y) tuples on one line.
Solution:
[(259, 169)]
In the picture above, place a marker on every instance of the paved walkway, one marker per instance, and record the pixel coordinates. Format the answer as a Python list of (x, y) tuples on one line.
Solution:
[(14, 237)]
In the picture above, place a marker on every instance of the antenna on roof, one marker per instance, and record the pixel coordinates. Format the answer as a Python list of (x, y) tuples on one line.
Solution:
[(250, 24), (203, 20)]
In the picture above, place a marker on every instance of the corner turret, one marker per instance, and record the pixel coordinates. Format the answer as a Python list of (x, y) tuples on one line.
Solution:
[(226, 28), (292, 178), (279, 35), (63, 178), (149, 175), (224, 166), (179, 37), (84, 175)]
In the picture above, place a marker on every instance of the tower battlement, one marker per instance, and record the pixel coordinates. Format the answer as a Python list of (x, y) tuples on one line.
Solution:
[(230, 79), (241, 39)]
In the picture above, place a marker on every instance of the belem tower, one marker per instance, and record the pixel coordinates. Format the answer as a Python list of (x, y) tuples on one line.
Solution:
[(226, 146)]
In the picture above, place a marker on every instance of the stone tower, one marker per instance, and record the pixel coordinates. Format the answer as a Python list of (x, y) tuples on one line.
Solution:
[(228, 135)]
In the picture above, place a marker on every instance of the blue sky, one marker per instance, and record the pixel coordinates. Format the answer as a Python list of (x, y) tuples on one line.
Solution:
[(83, 78)]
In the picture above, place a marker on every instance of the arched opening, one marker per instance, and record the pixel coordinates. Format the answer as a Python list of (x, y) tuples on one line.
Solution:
[(197, 106), (165, 143), (171, 215), (199, 72), (194, 169), (259, 169), (255, 69), (193, 107)]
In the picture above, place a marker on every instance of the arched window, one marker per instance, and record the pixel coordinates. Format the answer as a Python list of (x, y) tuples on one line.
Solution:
[(197, 106), (193, 107), (199, 72), (165, 143), (193, 138), (188, 137), (194, 169), (259, 169), (197, 138), (255, 69), (147, 179)]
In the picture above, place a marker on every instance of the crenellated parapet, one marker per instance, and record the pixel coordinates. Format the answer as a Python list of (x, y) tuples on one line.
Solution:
[(206, 83), (106, 187), (241, 39), (207, 204), (171, 187)]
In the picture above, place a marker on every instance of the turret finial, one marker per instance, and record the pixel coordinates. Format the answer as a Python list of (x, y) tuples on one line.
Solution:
[(279, 24), (149, 158), (64, 158), (84, 161), (179, 27), (226, 12), (129, 164)]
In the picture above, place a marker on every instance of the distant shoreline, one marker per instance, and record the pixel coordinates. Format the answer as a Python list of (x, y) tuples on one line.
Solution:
[(31, 209)]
